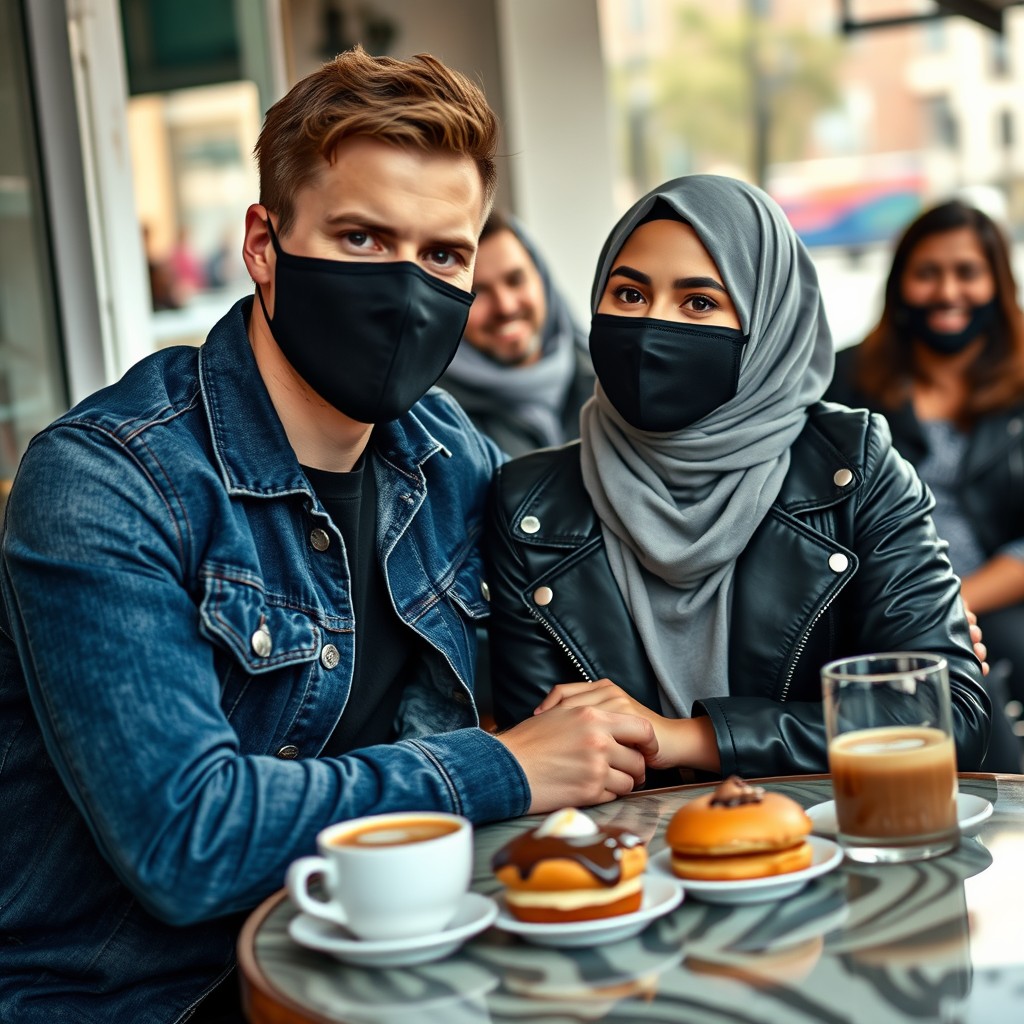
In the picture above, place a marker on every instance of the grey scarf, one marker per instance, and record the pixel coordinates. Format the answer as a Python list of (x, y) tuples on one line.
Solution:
[(534, 393), (678, 509)]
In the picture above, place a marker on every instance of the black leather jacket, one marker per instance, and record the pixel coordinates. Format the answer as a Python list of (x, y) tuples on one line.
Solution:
[(840, 565), (990, 488)]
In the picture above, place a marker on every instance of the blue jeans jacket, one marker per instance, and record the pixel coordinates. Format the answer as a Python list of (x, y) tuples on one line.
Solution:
[(158, 769)]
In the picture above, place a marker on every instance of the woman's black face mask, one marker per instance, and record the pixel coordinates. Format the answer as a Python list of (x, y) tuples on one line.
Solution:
[(662, 376), (369, 338), (915, 319)]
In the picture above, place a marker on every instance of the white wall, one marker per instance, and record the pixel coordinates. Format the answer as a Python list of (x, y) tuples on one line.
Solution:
[(558, 127)]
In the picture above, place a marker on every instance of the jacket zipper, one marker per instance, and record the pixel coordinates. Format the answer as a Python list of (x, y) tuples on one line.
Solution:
[(803, 643), (562, 644)]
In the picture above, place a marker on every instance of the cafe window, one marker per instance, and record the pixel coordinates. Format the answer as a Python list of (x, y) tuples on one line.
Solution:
[(33, 389)]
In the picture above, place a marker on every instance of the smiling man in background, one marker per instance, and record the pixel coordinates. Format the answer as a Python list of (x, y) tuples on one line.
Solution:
[(522, 371)]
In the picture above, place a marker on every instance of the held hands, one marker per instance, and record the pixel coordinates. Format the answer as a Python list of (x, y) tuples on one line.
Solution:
[(578, 756), (681, 742)]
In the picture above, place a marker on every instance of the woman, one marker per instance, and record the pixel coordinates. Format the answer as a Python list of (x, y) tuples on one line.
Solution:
[(717, 534), (945, 366)]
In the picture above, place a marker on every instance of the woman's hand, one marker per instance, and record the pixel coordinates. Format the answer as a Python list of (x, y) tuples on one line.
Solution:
[(682, 742)]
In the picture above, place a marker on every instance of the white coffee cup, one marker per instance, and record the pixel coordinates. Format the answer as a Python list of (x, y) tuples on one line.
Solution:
[(388, 876)]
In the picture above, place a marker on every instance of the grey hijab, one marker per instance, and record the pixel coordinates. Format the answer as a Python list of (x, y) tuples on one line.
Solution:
[(677, 509)]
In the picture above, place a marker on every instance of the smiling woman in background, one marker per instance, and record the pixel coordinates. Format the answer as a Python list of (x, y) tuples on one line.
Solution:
[(718, 533), (945, 366)]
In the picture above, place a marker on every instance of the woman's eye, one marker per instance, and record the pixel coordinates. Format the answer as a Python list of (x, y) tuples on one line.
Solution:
[(701, 304), (628, 295)]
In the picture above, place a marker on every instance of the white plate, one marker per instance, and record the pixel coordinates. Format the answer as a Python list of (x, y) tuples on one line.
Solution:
[(661, 895), (827, 855), (971, 811), (475, 913)]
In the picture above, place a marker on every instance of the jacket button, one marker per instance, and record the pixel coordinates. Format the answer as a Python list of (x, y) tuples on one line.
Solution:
[(288, 752), (543, 596), (529, 524), (329, 656), (320, 539), (842, 477), (485, 590), (262, 645), (838, 562)]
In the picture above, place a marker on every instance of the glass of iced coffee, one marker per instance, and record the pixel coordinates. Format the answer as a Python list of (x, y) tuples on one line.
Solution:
[(891, 754)]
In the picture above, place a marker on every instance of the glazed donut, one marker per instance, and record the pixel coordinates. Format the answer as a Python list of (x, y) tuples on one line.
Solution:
[(739, 831), (568, 869)]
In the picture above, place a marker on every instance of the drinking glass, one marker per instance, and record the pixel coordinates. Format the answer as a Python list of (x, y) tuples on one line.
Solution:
[(892, 757)]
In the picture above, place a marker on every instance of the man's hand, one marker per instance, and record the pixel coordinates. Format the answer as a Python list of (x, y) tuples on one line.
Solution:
[(682, 742), (574, 757), (980, 650)]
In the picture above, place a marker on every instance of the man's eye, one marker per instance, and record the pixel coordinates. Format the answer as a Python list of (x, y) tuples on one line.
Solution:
[(442, 257), (359, 239)]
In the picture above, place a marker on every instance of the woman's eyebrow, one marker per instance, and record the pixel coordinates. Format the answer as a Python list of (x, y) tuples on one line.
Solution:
[(634, 275), (698, 282)]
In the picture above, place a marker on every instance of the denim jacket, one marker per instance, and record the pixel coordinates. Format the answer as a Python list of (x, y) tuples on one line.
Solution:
[(174, 653)]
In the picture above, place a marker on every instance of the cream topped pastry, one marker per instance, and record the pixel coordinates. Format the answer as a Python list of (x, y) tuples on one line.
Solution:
[(571, 869)]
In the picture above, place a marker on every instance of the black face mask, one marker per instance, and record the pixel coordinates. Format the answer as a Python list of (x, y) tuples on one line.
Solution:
[(369, 338), (915, 319), (661, 375)]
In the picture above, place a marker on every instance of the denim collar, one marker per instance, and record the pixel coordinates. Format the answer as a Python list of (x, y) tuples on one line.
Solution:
[(249, 440)]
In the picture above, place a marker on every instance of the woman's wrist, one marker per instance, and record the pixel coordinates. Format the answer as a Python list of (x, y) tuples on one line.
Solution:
[(691, 743)]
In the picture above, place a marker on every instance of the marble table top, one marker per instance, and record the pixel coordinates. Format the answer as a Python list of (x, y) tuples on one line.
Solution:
[(939, 940)]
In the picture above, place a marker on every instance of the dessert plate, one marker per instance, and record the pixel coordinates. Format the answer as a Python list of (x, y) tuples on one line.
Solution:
[(475, 913), (827, 855), (971, 811), (661, 895)]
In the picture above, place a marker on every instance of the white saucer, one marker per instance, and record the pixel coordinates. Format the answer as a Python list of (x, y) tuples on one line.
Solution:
[(971, 811), (475, 913), (661, 895), (827, 855)]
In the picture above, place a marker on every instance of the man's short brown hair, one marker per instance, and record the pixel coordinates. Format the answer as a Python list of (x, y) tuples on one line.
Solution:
[(418, 103)]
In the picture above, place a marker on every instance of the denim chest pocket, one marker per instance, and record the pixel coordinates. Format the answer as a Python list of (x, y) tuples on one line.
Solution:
[(261, 632), (469, 589)]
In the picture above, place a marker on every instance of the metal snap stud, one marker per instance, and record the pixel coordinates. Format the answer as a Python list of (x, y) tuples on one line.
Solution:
[(838, 562), (320, 539), (529, 524), (543, 596), (261, 642), (329, 656), (842, 477), (288, 752), (485, 590)]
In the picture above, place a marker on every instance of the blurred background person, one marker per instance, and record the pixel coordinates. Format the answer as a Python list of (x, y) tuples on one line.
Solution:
[(945, 366), (522, 372)]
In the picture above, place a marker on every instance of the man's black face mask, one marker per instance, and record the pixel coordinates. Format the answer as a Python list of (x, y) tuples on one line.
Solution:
[(369, 338)]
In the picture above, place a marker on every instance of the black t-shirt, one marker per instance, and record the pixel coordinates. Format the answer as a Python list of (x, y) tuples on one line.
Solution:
[(385, 647)]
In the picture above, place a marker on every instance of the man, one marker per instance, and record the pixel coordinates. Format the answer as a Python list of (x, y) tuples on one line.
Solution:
[(240, 585), (523, 371)]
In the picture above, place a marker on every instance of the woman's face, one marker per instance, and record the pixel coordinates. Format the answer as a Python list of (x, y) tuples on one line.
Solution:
[(664, 271), (949, 274)]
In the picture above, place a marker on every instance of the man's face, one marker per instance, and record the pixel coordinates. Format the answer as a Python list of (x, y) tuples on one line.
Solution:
[(508, 313), (378, 203)]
